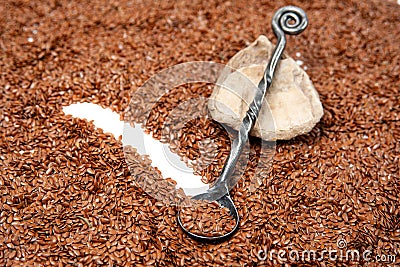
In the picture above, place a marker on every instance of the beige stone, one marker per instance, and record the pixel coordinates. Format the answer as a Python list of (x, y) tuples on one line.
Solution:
[(291, 108)]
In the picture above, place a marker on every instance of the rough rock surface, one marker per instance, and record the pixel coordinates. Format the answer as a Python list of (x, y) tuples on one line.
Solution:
[(291, 108)]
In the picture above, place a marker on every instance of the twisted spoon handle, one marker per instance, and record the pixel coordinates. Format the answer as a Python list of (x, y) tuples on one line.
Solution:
[(287, 20)]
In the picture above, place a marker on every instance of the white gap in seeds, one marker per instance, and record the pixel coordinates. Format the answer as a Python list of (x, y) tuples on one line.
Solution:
[(299, 62), (103, 118), (168, 163)]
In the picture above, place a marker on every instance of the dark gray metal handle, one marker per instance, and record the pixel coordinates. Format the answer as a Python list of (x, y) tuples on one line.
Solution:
[(289, 20)]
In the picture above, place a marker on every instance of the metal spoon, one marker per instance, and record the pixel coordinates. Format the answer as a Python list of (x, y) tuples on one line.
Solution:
[(287, 20)]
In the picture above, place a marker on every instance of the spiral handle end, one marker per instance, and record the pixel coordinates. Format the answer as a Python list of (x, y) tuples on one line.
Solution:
[(290, 19)]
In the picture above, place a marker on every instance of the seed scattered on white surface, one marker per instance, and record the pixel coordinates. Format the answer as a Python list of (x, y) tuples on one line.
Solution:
[(110, 122), (103, 118)]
